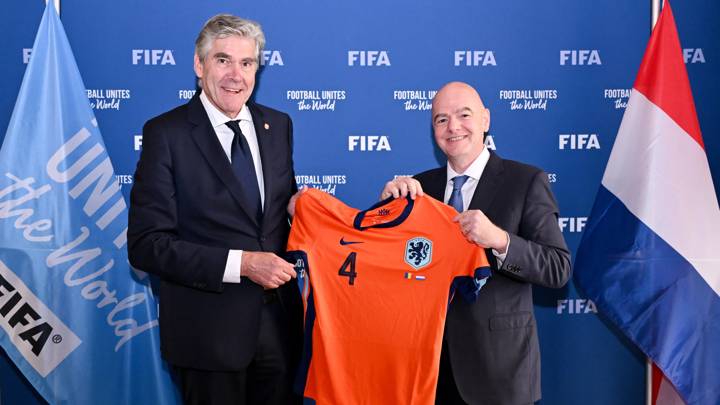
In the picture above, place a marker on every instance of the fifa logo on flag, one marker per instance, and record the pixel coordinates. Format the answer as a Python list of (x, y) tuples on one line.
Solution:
[(39, 335), (26, 52)]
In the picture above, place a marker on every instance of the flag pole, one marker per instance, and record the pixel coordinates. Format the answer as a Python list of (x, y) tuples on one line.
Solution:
[(648, 380), (655, 6), (57, 5)]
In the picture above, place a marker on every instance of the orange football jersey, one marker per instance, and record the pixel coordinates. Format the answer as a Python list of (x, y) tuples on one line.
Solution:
[(376, 285)]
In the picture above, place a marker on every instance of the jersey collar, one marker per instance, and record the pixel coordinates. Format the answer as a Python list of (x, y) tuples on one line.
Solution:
[(375, 211)]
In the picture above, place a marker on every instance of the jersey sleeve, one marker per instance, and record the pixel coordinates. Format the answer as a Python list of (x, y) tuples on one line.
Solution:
[(469, 285), (300, 242), (471, 263)]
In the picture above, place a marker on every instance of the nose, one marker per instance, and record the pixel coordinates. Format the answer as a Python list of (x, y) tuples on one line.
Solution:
[(453, 124), (235, 71)]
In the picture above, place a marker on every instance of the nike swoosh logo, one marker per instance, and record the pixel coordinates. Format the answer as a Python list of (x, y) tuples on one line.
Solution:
[(344, 242)]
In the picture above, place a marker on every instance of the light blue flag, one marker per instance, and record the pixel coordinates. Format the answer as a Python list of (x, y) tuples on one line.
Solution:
[(76, 319)]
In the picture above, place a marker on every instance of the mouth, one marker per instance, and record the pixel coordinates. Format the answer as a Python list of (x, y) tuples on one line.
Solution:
[(232, 90), (456, 138)]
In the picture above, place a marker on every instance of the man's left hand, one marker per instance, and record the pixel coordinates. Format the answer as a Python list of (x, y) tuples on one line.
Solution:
[(478, 229)]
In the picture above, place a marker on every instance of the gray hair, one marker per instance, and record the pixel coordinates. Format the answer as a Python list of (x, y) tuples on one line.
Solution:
[(225, 25)]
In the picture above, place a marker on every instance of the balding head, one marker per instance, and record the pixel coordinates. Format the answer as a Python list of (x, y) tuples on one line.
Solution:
[(459, 120), (455, 90)]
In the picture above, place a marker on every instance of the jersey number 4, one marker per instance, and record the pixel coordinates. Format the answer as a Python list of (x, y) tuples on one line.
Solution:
[(349, 263)]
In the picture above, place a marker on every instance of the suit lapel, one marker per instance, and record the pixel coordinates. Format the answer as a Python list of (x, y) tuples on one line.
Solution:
[(488, 185), (435, 187), (262, 130), (204, 136)]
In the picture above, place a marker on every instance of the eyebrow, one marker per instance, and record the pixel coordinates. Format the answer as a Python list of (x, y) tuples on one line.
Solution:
[(221, 55), (459, 110)]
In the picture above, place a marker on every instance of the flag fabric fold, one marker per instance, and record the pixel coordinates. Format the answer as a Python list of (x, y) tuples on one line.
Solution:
[(649, 255), (78, 322)]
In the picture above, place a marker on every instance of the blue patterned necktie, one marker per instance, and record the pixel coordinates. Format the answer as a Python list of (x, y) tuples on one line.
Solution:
[(244, 167), (456, 200)]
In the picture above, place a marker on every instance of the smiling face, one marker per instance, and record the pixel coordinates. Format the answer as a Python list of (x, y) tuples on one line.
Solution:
[(228, 72), (459, 121)]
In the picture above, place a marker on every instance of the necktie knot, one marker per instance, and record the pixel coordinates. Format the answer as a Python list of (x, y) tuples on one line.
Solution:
[(239, 138), (459, 181), (234, 125)]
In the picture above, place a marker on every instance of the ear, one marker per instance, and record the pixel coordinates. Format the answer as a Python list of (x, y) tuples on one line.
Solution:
[(486, 117), (198, 66)]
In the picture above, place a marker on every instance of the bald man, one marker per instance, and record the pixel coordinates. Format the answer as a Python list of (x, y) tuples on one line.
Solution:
[(490, 347)]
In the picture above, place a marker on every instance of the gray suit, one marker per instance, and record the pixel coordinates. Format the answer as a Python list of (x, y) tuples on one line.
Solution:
[(492, 343)]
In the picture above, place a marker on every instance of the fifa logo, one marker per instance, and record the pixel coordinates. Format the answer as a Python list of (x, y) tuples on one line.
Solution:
[(271, 58), (576, 306), (578, 57), (475, 58), (368, 58), (693, 55), (368, 143), (152, 57), (578, 141), (572, 224)]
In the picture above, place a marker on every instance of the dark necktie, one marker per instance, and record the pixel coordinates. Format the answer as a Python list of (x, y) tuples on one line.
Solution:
[(456, 200), (244, 168)]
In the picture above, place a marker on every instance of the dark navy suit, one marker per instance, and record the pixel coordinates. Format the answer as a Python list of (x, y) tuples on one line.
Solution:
[(187, 210)]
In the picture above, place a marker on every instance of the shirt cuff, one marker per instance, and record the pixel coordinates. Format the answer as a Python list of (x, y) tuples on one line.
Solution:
[(232, 267), (501, 256)]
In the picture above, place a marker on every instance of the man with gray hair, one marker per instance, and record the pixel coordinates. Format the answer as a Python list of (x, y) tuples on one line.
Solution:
[(208, 217)]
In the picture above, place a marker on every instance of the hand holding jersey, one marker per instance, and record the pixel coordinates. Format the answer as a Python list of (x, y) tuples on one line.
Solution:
[(474, 224)]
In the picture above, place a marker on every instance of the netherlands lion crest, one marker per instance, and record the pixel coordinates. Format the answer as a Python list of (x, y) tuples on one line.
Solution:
[(418, 252)]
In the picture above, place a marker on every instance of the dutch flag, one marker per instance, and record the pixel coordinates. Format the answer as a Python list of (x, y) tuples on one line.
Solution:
[(650, 255)]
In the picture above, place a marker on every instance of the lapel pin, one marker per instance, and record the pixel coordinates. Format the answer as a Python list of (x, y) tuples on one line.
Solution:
[(267, 126)]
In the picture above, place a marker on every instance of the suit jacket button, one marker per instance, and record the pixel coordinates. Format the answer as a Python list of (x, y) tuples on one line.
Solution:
[(263, 239)]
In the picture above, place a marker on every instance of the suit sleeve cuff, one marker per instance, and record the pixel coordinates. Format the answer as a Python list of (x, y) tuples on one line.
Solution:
[(232, 267)]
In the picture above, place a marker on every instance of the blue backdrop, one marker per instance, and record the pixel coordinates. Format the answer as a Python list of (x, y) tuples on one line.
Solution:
[(358, 77)]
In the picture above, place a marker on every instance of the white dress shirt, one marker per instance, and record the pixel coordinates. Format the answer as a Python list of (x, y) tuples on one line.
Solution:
[(225, 135), (474, 172)]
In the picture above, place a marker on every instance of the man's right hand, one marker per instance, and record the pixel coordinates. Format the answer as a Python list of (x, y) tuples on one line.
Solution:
[(402, 187), (266, 269)]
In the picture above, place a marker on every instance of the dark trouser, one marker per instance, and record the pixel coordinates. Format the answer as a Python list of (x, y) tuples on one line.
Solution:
[(267, 379), (447, 392)]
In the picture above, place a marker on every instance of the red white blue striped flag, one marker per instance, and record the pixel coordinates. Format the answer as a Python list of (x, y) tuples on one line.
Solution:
[(650, 255)]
